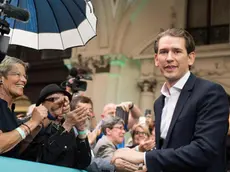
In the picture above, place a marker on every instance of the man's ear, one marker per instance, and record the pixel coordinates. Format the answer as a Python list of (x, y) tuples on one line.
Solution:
[(191, 58), (156, 60)]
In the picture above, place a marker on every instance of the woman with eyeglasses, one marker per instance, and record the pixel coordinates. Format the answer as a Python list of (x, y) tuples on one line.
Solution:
[(142, 140), (13, 79)]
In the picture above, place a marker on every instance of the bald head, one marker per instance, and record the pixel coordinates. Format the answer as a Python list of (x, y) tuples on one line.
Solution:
[(109, 109)]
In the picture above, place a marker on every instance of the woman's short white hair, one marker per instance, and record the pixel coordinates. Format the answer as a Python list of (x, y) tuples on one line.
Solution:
[(7, 64)]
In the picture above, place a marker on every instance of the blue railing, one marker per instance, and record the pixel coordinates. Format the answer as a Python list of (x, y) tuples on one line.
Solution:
[(16, 165)]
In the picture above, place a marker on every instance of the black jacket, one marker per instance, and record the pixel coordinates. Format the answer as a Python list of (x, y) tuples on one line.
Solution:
[(196, 138), (53, 146), (8, 122)]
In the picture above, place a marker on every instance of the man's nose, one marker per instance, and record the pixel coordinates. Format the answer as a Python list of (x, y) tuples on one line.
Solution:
[(170, 56)]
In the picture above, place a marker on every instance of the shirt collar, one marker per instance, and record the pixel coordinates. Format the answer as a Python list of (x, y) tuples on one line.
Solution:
[(179, 85)]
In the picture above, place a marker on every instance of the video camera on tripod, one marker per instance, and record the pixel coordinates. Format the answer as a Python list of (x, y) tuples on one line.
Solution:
[(75, 82), (10, 11)]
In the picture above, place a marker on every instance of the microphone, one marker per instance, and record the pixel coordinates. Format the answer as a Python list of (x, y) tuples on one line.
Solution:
[(14, 12)]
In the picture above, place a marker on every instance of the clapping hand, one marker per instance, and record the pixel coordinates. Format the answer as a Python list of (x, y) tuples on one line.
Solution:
[(76, 118)]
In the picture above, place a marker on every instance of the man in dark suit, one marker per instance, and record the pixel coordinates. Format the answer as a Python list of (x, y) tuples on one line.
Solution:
[(191, 115)]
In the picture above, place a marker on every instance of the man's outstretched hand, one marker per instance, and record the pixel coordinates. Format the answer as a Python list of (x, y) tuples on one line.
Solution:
[(136, 158)]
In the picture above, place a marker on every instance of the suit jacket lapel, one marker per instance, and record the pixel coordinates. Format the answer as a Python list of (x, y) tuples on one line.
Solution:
[(158, 111), (184, 95)]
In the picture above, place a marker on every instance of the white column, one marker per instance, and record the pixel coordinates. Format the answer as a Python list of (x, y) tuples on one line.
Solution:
[(113, 82), (147, 94)]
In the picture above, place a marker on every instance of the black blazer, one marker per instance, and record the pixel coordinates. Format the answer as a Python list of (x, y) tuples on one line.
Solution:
[(195, 141)]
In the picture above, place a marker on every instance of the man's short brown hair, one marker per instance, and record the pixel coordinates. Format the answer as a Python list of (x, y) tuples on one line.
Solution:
[(79, 99), (176, 32)]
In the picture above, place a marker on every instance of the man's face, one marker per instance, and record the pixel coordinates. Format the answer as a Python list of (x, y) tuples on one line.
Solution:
[(49, 103), (88, 106), (172, 58), (109, 110), (116, 133), (13, 84)]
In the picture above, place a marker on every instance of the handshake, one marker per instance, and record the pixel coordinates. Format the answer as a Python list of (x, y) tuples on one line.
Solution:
[(124, 162)]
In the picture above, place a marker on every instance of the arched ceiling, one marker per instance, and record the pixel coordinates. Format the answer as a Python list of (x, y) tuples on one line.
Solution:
[(127, 27)]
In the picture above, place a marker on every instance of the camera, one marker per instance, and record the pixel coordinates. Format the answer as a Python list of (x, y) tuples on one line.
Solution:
[(74, 81), (7, 10)]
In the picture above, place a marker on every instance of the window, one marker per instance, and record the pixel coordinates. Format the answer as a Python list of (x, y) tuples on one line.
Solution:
[(208, 21)]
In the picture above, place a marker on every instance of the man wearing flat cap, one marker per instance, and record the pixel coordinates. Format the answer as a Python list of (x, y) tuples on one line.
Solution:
[(63, 141)]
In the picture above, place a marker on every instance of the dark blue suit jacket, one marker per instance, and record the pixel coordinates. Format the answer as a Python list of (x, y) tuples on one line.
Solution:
[(196, 137)]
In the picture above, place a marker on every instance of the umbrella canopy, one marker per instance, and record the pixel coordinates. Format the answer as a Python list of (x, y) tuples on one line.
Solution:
[(53, 24)]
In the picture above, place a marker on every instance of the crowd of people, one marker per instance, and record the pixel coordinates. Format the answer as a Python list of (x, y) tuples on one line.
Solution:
[(186, 132)]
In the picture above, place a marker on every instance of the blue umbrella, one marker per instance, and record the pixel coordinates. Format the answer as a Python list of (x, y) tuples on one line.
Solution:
[(53, 24)]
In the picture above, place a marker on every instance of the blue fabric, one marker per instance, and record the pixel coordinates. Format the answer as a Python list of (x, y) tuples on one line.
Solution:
[(100, 136), (121, 145), (53, 16), (51, 117), (12, 165)]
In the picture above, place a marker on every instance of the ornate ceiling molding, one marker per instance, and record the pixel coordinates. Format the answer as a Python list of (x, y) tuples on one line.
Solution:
[(90, 63), (147, 84)]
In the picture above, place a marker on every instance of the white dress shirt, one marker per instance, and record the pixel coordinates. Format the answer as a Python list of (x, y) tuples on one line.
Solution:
[(171, 98)]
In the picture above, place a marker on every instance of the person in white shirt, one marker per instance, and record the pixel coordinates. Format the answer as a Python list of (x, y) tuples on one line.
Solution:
[(191, 115)]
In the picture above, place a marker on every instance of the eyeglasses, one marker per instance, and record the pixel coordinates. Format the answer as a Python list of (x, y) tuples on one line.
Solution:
[(139, 133), (51, 99), (18, 74), (120, 128)]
